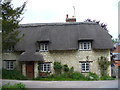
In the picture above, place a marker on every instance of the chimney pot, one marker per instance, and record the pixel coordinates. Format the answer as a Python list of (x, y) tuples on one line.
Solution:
[(67, 16)]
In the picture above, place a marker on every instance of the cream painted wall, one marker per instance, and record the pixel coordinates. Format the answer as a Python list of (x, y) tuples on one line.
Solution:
[(71, 58), (11, 56)]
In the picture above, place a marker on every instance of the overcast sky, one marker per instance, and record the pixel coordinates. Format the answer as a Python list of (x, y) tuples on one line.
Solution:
[(48, 11)]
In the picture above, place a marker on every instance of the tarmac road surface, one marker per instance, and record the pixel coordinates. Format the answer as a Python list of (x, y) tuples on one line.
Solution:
[(65, 84)]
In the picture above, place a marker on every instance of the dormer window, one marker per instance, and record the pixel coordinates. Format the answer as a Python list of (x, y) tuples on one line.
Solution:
[(43, 46), (85, 45), (10, 49)]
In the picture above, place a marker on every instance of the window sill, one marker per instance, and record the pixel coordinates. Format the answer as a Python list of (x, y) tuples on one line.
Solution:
[(85, 72), (84, 50), (43, 51), (9, 69), (45, 71)]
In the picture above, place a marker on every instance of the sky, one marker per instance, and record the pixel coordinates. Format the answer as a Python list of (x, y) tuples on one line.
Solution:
[(51, 11)]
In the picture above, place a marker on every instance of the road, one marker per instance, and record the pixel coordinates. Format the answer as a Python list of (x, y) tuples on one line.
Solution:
[(65, 84)]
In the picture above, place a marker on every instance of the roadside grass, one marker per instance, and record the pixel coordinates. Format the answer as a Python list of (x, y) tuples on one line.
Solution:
[(17, 86)]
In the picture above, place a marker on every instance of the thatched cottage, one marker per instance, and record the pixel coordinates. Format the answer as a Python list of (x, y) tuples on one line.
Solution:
[(77, 44)]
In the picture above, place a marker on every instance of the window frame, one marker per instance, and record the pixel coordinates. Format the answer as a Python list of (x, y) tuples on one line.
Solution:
[(85, 69), (9, 65), (47, 65), (43, 47), (85, 45)]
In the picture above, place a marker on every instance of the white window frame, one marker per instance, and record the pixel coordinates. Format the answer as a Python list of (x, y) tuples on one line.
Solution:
[(9, 65), (85, 45), (85, 69), (47, 66), (43, 47)]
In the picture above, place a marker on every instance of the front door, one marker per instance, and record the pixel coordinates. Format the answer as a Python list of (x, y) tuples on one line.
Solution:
[(30, 69)]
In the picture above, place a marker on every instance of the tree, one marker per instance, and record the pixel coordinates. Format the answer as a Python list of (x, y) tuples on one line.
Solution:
[(10, 22), (103, 25)]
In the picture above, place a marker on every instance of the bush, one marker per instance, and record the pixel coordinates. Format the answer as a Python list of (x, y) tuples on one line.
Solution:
[(12, 74), (106, 78), (76, 76), (18, 85), (92, 76), (65, 68), (57, 68)]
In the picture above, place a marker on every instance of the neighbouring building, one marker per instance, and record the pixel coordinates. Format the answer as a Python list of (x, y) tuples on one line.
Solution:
[(77, 44), (115, 60), (116, 53)]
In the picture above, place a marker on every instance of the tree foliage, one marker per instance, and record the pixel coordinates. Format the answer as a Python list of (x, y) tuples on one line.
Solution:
[(10, 22), (103, 25)]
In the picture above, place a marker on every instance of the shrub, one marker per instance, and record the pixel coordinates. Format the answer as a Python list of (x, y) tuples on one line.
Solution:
[(18, 85), (71, 70), (65, 68), (76, 76), (57, 68), (12, 74), (92, 76), (106, 78)]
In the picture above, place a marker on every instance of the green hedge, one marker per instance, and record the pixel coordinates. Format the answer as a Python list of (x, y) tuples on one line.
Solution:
[(12, 74)]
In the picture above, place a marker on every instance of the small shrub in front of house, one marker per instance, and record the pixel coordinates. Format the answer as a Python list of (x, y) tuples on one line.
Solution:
[(65, 68), (92, 76), (76, 76), (106, 78), (15, 86), (69, 74), (12, 74), (58, 68), (71, 70)]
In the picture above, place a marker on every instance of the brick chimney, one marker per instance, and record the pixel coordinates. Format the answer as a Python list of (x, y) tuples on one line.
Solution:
[(73, 19)]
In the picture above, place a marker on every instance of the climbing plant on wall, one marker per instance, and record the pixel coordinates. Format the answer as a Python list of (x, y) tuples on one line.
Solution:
[(103, 64)]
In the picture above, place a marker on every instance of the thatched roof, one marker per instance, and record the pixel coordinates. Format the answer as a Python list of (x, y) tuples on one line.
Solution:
[(63, 36), (31, 56)]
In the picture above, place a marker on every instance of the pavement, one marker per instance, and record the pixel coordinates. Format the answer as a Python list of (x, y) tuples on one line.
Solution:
[(65, 84)]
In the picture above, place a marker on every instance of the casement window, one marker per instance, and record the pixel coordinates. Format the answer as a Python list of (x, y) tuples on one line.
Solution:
[(85, 66), (9, 65), (84, 45), (45, 67), (43, 46), (9, 49)]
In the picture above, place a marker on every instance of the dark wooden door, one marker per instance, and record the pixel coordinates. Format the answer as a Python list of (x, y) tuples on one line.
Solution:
[(30, 69)]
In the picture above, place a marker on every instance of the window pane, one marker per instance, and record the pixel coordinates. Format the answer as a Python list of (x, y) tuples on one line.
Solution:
[(85, 67), (81, 46), (46, 47), (45, 67), (9, 65), (41, 67), (43, 46), (85, 45)]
